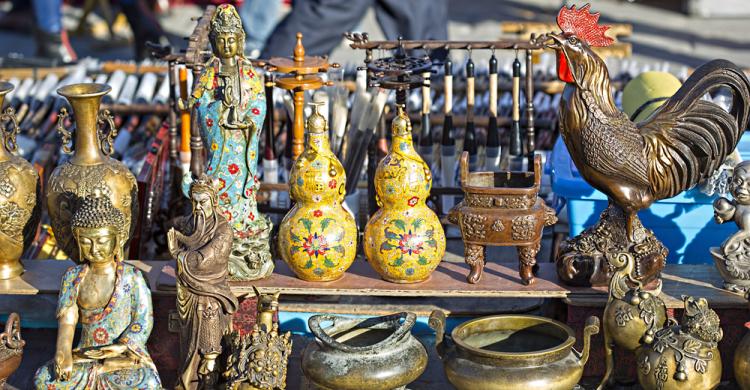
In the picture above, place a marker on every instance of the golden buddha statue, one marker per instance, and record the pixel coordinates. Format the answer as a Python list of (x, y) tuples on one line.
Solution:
[(113, 303)]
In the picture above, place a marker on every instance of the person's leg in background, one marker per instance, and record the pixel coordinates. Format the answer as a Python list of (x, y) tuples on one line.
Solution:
[(321, 22), (414, 19), (144, 24), (51, 39), (259, 17)]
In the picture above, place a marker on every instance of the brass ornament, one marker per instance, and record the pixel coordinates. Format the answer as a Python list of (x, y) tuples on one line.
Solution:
[(685, 355), (200, 243), (20, 193), (512, 352), (632, 316), (90, 171), (258, 361), (635, 164), (742, 359)]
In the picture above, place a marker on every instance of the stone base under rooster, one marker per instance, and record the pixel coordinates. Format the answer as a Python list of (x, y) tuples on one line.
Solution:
[(583, 260)]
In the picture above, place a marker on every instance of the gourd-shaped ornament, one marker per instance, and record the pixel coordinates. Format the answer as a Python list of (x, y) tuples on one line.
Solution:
[(90, 171), (404, 240), (318, 237), (686, 355), (19, 196)]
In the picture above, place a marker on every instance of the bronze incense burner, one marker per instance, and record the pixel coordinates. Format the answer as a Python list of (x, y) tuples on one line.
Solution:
[(377, 353), (512, 352), (501, 209)]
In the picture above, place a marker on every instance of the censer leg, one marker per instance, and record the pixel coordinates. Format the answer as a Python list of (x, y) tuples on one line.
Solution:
[(527, 261), (474, 255)]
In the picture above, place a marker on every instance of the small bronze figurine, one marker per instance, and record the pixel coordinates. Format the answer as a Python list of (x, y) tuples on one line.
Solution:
[(501, 209), (684, 356), (228, 108), (200, 243), (635, 164), (733, 260), (258, 361), (112, 302), (632, 316), (11, 348)]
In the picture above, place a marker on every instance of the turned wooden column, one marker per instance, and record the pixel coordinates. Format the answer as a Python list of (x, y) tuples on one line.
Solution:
[(303, 75)]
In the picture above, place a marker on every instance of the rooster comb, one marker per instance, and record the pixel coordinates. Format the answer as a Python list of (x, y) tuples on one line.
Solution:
[(584, 25)]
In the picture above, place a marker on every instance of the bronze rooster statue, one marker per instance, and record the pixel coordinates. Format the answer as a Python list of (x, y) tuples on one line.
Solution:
[(634, 164)]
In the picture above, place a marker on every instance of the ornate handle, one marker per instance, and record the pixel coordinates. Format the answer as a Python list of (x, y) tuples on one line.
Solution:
[(106, 138), (9, 135), (65, 134), (591, 328)]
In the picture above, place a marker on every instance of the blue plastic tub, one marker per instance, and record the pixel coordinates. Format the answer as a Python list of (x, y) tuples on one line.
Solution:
[(684, 223)]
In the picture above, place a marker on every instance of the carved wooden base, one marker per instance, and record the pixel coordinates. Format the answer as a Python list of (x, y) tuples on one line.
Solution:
[(582, 260)]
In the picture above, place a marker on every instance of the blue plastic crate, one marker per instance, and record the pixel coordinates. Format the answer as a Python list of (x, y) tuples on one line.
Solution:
[(683, 223)]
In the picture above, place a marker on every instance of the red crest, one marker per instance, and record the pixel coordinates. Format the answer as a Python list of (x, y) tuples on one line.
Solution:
[(584, 25)]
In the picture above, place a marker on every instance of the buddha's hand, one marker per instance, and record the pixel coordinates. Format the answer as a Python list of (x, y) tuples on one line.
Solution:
[(107, 351), (63, 366)]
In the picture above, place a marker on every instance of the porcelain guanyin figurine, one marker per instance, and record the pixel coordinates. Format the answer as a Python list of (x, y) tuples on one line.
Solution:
[(318, 237), (229, 106), (404, 240)]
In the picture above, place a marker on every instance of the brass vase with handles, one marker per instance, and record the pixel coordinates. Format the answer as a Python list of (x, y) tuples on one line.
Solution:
[(632, 316), (19, 196), (89, 171), (318, 237)]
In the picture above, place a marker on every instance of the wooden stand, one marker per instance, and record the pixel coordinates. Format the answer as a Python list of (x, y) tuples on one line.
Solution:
[(304, 76)]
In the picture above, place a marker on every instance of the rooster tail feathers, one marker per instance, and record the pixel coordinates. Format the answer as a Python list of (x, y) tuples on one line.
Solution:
[(687, 139)]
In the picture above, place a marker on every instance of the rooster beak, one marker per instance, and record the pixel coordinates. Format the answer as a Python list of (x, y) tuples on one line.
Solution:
[(550, 41)]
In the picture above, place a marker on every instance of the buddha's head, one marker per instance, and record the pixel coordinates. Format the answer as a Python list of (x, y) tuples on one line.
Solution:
[(226, 34), (97, 227)]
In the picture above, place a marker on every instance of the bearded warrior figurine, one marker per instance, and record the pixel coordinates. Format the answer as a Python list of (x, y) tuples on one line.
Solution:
[(201, 244)]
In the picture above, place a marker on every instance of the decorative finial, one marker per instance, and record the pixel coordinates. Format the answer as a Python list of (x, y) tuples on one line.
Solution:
[(299, 50), (401, 124), (316, 123), (583, 25)]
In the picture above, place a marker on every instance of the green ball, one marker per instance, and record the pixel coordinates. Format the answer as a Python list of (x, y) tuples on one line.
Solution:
[(647, 92)]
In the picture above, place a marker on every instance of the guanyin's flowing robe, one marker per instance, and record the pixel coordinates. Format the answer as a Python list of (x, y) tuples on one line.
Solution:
[(126, 319), (232, 157)]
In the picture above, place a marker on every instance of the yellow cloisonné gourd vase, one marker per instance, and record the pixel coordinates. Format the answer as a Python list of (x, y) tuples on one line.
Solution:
[(318, 237), (404, 240)]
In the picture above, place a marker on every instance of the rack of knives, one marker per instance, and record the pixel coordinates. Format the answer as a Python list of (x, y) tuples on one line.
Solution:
[(139, 103)]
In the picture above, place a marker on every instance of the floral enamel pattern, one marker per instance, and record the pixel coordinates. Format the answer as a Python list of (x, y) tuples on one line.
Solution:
[(404, 240), (317, 238)]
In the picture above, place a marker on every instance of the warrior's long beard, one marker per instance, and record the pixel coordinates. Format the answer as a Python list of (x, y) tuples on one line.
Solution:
[(199, 224)]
